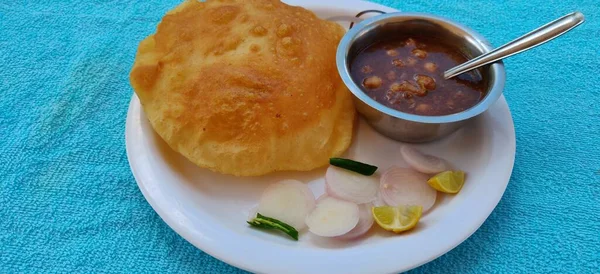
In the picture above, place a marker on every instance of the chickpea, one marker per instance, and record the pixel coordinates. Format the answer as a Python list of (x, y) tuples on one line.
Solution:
[(419, 53), (411, 61), (406, 86), (372, 82), (391, 75), (423, 108), (392, 52), (425, 82), (398, 63), (431, 67), (367, 69), (421, 92), (410, 42)]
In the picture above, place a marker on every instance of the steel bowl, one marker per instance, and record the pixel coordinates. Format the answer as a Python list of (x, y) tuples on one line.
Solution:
[(408, 127)]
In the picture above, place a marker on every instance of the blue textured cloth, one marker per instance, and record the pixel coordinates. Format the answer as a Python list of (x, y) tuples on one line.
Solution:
[(69, 203)]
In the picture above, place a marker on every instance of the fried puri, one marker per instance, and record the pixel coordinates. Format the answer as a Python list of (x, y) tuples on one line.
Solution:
[(245, 87)]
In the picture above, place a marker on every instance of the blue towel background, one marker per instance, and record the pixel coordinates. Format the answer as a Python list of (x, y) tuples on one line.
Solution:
[(69, 203)]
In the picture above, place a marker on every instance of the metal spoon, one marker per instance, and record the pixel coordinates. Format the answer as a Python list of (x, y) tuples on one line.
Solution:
[(535, 38)]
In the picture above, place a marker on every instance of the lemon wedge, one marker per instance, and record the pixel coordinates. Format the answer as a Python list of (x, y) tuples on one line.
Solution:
[(448, 181), (397, 219)]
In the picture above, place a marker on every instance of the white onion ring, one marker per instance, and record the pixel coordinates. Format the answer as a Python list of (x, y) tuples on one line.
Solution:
[(403, 186)]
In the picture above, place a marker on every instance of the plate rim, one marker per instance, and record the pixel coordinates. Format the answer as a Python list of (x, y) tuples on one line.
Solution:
[(201, 244)]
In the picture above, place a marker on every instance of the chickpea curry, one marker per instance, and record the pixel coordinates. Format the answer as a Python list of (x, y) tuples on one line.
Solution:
[(406, 74)]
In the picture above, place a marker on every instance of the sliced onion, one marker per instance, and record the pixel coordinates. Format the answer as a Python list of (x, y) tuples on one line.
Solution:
[(379, 200), (403, 186), (323, 196), (365, 221), (289, 201), (350, 186), (332, 217), (423, 162)]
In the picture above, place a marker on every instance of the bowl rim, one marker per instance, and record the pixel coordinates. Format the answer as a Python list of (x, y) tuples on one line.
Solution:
[(493, 94)]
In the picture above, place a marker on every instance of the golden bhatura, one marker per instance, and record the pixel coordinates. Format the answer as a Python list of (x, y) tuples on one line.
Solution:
[(245, 87)]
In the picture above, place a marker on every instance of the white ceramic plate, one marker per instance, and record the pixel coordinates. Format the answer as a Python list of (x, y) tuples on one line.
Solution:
[(210, 210)]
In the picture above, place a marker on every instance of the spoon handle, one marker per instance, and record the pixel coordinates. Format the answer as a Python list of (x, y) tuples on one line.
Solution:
[(532, 39)]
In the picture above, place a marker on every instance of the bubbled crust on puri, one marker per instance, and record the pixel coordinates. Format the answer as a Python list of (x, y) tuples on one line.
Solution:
[(245, 87)]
